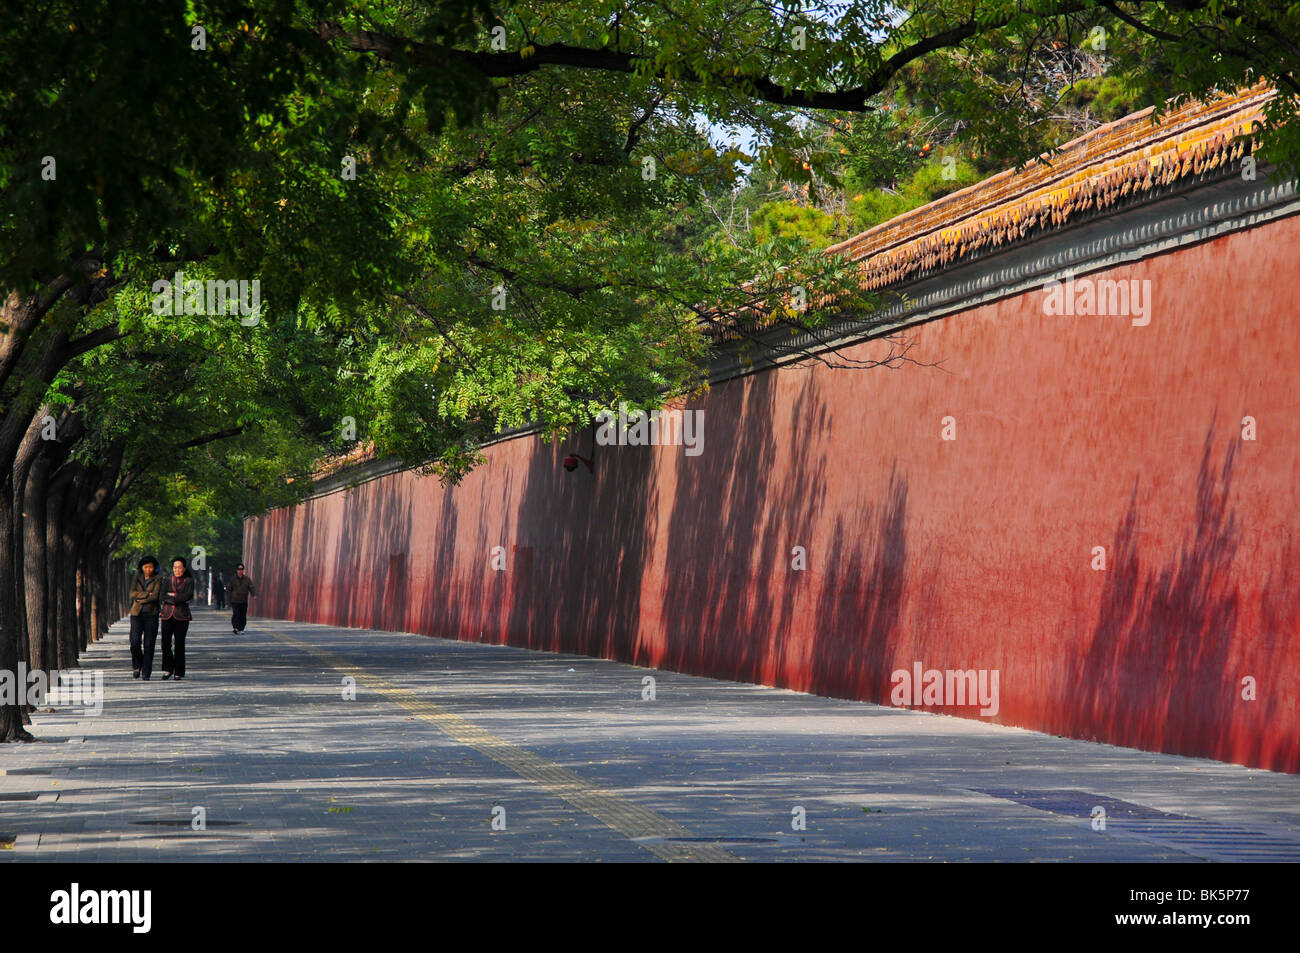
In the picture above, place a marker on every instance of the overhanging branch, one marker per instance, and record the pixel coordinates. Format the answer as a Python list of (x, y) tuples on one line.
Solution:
[(510, 63)]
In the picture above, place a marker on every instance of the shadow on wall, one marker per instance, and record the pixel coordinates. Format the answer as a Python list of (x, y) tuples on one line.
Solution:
[(741, 507), (594, 567), (854, 647), (268, 539), (717, 595), (358, 578), (364, 579), (1158, 672), (580, 551), (438, 610), (684, 563)]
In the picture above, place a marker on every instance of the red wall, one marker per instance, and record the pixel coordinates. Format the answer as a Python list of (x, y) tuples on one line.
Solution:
[(1072, 432)]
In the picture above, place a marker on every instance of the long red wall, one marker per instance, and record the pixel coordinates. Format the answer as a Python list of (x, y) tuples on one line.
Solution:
[(976, 553)]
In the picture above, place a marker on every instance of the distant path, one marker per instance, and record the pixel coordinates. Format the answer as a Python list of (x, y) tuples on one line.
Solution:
[(441, 733)]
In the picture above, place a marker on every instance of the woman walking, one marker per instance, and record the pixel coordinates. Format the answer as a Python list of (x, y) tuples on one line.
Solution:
[(146, 589), (177, 592)]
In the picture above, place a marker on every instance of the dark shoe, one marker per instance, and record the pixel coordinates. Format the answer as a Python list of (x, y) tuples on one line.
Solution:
[(166, 675), (144, 678), (180, 678), (136, 673)]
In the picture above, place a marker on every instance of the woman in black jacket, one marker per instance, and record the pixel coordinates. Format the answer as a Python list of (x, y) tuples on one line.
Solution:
[(145, 591), (177, 591)]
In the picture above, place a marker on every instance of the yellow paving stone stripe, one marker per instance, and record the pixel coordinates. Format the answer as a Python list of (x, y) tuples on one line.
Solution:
[(631, 820)]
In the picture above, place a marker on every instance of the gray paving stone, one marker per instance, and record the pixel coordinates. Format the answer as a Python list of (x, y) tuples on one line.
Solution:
[(260, 736)]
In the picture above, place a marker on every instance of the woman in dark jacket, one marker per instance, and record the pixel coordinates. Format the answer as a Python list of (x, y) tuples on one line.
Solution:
[(145, 591), (177, 591)]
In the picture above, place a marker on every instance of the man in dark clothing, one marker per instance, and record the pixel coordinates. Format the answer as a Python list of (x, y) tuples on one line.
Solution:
[(146, 589), (239, 590), (219, 589)]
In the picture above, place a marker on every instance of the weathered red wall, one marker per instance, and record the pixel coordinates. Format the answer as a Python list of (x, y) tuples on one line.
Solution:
[(1071, 433)]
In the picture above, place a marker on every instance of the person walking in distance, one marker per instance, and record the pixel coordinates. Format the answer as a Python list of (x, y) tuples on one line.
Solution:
[(239, 590), (177, 591), (146, 588), (219, 589)]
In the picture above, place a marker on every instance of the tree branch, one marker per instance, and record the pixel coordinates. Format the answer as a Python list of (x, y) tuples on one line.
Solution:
[(94, 339), (211, 438), (510, 63)]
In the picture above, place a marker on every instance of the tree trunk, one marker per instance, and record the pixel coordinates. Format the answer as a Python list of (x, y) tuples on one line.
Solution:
[(66, 582), (34, 571), (83, 604), (11, 715), (97, 583), (119, 569), (53, 507)]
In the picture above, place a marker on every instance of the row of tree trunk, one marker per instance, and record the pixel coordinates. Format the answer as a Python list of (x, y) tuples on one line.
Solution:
[(57, 591), (63, 584)]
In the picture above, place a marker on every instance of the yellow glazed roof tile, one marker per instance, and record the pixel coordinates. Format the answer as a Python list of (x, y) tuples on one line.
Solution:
[(1104, 166)]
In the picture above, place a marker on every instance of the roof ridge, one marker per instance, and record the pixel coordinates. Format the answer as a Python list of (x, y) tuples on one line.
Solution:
[(1051, 193)]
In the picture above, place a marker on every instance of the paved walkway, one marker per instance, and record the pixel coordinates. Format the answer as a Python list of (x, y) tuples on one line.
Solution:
[(444, 738)]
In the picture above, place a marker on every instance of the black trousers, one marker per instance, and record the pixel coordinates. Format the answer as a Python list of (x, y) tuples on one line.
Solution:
[(219, 597), (144, 634), (174, 660), (238, 616)]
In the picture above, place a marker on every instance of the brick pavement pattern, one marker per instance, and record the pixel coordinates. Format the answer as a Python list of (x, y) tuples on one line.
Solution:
[(444, 737)]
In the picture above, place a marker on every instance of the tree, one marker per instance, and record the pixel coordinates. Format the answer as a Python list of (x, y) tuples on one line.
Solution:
[(389, 172)]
